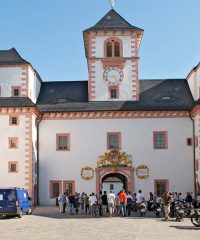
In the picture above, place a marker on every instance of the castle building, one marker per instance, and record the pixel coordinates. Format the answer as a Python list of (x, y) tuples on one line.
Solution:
[(112, 131)]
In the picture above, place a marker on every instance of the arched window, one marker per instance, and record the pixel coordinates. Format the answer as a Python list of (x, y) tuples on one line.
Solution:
[(117, 49), (113, 47), (109, 49)]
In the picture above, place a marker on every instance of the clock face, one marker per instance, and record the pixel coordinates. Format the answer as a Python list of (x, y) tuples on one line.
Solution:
[(113, 76)]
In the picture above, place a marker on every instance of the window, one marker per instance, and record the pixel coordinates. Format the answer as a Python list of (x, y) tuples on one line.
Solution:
[(161, 186), (13, 142), (113, 92), (113, 47), (196, 141), (63, 142), (189, 141), (14, 120), (13, 167), (111, 187), (117, 49), (16, 91), (109, 49), (197, 165), (160, 140), (35, 167), (114, 140), (55, 188), (69, 187)]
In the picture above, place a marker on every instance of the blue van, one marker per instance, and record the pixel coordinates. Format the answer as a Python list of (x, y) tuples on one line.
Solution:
[(14, 202)]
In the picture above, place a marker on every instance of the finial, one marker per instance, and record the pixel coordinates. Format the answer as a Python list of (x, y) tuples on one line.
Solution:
[(112, 2)]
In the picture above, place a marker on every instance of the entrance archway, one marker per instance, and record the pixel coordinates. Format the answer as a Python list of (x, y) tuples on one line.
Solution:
[(114, 166), (115, 182), (125, 175)]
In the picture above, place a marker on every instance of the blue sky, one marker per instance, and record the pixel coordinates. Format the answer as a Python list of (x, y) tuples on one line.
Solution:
[(48, 34)]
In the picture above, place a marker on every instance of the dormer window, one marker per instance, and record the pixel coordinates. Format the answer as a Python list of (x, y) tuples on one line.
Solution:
[(113, 47)]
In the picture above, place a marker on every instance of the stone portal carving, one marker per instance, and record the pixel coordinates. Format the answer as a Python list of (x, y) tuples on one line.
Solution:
[(114, 158)]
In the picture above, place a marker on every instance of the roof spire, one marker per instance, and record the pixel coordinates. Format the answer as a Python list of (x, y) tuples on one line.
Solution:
[(112, 2)]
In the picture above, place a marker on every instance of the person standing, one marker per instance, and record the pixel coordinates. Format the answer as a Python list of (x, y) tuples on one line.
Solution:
[(71, 203), (104, 203), (198, 200), (60, 202), (76, 202), (188, 197), (139, 198), (111, 203), (87, 205), (117, 205), (64, 201), (166, 200), (122, 200), (129, 200), (93, 204), (82, 202), (99, 202), (150, 196)]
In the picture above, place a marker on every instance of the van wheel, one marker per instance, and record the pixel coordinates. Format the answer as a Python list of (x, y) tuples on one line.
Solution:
[(20, 214), (29, 212)]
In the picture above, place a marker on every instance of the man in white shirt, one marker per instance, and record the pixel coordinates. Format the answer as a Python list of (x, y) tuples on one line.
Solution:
[(140, 197), (111, 202), (93, 203)]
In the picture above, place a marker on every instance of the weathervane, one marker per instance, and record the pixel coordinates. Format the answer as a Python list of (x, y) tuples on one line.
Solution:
[(112, 2)]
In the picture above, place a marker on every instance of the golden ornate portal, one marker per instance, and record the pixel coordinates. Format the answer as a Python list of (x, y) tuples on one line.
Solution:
[(114, 158)]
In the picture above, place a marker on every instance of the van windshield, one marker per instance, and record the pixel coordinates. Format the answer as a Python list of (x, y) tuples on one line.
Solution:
[(7, 195)]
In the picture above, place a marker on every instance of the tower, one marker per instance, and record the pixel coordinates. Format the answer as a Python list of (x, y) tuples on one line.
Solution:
[(111, 48)]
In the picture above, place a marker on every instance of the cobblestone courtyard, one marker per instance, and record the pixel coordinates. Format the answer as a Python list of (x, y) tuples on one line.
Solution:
[(47, 223)]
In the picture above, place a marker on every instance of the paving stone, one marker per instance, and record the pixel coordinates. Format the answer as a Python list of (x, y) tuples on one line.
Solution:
[(47, 223)]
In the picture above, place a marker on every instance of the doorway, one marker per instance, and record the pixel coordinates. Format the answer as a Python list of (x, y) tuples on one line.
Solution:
[(115, 182)]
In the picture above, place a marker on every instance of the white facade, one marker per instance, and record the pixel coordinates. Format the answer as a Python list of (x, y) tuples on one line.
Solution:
[(126, 41), (89, 141), (10, 77), (12, 155), (87, 131), (127, 63), (34, 85), (194, 82)]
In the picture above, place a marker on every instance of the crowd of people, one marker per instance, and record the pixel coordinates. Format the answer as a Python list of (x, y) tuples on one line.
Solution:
[(111, 204), (168, 199)]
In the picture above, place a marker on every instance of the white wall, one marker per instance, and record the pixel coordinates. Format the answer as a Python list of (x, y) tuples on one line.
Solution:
[(88, 141), (12, 179), (99, 43), (125, 87), (34, 85), (9, 76), (194, 83), (34, 144), (197, 147)]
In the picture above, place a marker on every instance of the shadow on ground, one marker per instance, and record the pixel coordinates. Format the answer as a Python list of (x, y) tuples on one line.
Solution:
[(186, 227), (52, 212), (82, 216)]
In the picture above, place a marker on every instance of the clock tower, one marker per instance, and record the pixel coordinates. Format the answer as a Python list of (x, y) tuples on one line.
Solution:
[(111, 48)]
